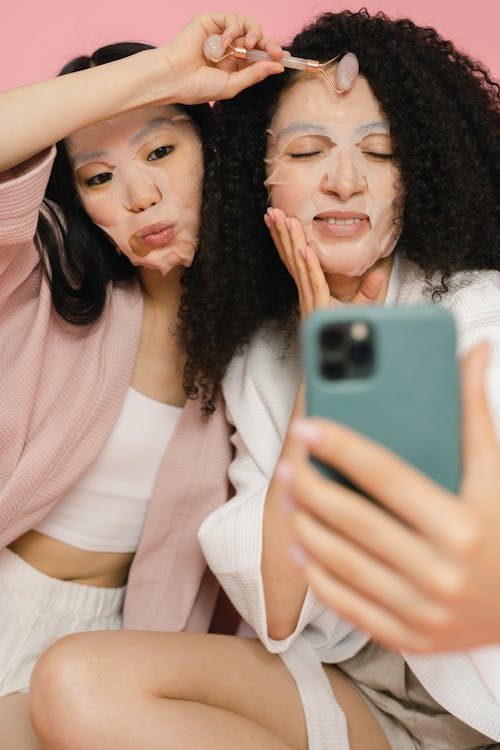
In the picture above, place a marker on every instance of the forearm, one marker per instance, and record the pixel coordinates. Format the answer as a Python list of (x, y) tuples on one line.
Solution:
[(40, 114), (36, 116), (284, 583)]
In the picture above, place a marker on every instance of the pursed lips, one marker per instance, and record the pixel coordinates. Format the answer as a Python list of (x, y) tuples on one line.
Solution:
[(155, 235)]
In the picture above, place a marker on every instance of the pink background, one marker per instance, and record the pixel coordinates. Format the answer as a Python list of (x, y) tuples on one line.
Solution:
[(39, 37)]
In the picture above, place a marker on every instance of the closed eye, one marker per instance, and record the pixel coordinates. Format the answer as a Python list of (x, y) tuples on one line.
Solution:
[(99, 179), (307, 155), (376, 155), (160, 153), (308, 147)]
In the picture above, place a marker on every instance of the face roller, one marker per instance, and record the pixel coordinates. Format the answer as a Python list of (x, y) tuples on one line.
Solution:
[(346, 74)]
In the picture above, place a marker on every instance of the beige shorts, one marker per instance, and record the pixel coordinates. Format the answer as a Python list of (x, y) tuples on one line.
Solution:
[(410, 718), (36, 610)]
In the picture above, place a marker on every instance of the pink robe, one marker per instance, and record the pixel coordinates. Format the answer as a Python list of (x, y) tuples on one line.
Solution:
[(61, 390)]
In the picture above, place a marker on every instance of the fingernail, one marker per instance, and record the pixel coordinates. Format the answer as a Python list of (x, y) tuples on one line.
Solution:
[(284, 471), (250, 40), (288, 503), (267, 221), (298, 555), (270, 213), (302, 251), (305, 431), (226, 39), (288, 223), (277, 69)]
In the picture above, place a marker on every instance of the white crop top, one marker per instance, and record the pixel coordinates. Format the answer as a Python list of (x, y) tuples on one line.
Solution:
[(105, 510)]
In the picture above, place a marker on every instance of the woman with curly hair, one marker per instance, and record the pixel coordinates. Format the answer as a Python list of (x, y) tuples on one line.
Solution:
[(105, 452), (381, 190)]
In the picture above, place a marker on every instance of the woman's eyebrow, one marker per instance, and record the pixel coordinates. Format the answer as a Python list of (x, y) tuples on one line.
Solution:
[(302, 127), (372, 127), (316, 128), (86, 156), (152, 125)]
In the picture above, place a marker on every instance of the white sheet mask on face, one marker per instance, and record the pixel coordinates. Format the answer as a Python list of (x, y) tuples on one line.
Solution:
[(139, 178), (327, 164)]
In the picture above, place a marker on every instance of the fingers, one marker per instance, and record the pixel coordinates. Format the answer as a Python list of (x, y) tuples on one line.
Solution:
[(272, 47), (290, 241), (367, 564), (381, 536), (275, 222), (317, 279), (415, 628), (382, 625), (230, 26), (395, 484), (302, 264), (366, 574), (254, 36), (314, 292), (243, 32), (253, 32)]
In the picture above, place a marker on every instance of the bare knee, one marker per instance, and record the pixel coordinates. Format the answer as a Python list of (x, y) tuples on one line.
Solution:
[(64, 693)]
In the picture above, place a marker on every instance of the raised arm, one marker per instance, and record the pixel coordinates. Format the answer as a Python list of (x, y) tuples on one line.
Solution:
[(40, 114), (285, 584)]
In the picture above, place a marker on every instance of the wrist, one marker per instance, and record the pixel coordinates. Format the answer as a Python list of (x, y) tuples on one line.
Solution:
[(153, 78)]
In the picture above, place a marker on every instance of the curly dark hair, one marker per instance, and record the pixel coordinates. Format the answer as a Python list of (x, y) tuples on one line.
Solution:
[(81, 261), (442, 107)]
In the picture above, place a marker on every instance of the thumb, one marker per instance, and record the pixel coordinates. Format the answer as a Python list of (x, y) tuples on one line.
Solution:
[(370, 288)]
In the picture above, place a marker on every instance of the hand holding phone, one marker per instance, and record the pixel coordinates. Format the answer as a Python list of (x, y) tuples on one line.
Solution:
[(418, 569)]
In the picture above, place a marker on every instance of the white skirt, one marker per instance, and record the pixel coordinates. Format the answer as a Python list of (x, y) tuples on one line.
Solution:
[(36, 610)]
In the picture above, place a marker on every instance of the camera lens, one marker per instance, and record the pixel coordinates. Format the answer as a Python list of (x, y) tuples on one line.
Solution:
[(331, 337), (361, 354), (333, 370)]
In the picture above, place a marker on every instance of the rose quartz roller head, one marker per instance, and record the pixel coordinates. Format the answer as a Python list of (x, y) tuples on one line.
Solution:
[(347, 69), (347, 72)]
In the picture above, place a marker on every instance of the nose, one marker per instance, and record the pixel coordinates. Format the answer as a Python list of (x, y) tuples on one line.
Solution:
[(140, 191), (343, 177)]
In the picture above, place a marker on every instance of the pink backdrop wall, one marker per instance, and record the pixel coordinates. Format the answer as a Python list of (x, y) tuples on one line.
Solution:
[(38, 37)]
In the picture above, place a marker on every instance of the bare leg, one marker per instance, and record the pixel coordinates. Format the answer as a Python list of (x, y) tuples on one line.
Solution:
[(363, 729), (138, 691), (16, 732)]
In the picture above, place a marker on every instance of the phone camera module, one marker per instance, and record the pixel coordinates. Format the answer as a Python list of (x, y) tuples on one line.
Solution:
[(346, 350)]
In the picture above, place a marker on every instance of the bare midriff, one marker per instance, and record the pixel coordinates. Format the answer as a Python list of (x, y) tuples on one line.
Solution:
[(67, 563)]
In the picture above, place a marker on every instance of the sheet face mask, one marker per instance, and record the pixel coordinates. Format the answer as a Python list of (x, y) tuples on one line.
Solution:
[(139, 178), (329, 164)]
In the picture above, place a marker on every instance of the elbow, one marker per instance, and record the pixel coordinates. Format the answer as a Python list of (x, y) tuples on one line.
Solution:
[(279, 628)]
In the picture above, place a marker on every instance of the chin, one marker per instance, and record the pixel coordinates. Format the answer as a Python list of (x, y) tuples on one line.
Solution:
[(344, 266), (350, 263), (169, 264)]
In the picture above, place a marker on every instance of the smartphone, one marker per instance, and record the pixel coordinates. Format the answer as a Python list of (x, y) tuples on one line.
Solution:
[(390, 373)]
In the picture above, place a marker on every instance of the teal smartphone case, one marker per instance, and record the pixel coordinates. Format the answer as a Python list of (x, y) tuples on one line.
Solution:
[(409, 400)]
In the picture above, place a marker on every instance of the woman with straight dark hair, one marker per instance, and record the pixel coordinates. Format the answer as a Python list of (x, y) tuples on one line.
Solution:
[(108, 453)]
